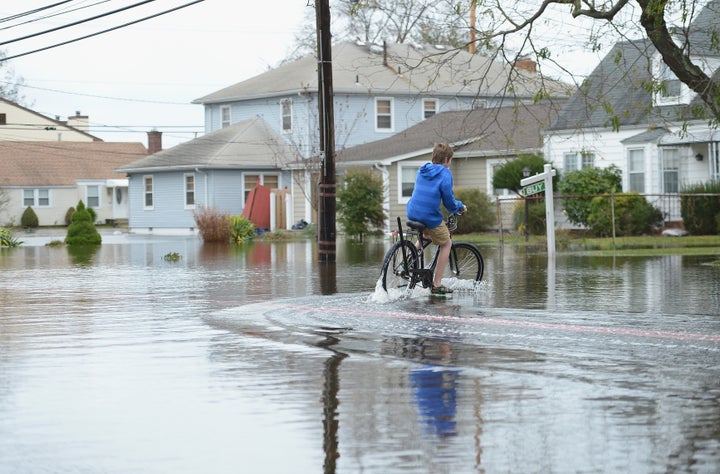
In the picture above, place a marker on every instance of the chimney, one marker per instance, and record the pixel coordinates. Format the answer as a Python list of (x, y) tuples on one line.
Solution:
[(81, 122), (526, 64), (154, 141)]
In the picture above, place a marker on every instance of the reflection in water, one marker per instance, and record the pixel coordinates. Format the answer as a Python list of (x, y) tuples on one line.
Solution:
[(435, 391), (82, 255), (330, 401)]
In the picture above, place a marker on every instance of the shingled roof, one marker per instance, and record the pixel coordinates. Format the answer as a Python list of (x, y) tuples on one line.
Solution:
[(63, 163), (395, 68), (493, 131), (249, 144)]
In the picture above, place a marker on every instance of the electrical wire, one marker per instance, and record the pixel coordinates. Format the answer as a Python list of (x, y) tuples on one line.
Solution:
[(64, 12), (63, 43), (31, 12)]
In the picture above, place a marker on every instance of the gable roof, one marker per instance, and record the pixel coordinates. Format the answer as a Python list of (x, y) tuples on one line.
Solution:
[(249, 144), (617, 94), (395, 68), (63, 163), (42, 119), (490, 132)]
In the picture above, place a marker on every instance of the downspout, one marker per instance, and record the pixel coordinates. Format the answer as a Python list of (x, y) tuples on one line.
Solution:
[(386, 195)]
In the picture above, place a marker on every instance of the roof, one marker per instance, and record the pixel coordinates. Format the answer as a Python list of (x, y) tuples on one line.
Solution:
[(63, 163), (43, 118), (249, 144), (617, 92), (395, 68), (499, 131)]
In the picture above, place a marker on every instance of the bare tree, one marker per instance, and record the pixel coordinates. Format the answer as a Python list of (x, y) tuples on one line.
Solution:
[(672, 26), (11, 83)]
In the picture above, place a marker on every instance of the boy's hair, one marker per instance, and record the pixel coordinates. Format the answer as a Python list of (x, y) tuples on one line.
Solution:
[(441, 152)]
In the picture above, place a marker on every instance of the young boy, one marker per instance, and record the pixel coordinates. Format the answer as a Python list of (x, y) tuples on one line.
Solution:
[(434, 185)]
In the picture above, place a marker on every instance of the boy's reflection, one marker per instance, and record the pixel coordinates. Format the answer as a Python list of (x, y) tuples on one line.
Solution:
[(435, 387)]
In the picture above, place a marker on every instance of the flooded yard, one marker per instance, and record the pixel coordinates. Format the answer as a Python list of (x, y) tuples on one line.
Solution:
[(260, 359)]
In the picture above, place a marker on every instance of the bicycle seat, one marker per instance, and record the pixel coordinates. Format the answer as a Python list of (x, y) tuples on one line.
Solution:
[(416, 225)]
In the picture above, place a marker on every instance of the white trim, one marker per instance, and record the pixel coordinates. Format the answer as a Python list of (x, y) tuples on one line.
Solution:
[(405, 164), (287, 101), (144, 192), (185, 191), (392, 115), (435, 111)]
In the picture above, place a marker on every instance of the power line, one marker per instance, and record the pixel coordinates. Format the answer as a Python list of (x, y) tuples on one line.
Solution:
[(101, 32), (64, 12), (75, 23), (31, 12)]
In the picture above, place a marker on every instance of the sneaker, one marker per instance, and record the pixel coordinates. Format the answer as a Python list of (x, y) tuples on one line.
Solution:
[(440, 290)]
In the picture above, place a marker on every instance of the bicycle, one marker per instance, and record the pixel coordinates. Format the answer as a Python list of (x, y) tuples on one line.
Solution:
[(404, 264)]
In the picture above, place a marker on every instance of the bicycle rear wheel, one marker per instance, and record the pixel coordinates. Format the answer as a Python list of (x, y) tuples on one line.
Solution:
[(465, 262), (396, 270)]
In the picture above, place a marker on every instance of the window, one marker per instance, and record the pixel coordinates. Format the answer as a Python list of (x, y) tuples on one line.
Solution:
[(3, 119), (670, 86), (272, 181), (407, 174), (225, 116), (189, 191), (92, 196), (148, 181), (383, 115), (636, 171), (286, 106), (670, 170), (574, 161), (429, 107), (570, 162), (36, 197)]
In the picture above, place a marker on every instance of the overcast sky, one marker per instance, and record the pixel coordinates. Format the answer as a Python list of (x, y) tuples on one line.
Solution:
[(146, 75)]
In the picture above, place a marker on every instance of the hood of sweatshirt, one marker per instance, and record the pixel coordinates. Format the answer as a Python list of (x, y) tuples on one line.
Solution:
[(430, 170)]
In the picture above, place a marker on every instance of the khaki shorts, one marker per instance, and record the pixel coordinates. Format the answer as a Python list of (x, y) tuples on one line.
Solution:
[(439, 235)]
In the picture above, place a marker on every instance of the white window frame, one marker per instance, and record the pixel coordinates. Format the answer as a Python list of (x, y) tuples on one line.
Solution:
[(261, 176), (425, 103), (390, 114), (225, 116), (99, 196), (38, 196), (636, 169), (189, 191), (148, 179), (580, 160), (286, 112), (665, 171), (415, 165)]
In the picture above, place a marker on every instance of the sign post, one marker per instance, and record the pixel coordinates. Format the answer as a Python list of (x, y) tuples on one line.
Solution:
[(536, 184)]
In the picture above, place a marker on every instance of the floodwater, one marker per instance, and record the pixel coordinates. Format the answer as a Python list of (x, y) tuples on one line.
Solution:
[(258, 359)]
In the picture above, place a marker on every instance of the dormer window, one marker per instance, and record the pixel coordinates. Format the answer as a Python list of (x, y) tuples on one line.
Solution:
[(671, 91)]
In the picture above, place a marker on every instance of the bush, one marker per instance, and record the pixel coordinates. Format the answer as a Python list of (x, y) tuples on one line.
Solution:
[(509, 174), (360, 202), (585, 183), (481, 214), (68, 215), (536, 217), (29, 219), (634, 215), (8, 239), (81, 230), (701, 214), (241, 229), (93, 214), (214, 225)]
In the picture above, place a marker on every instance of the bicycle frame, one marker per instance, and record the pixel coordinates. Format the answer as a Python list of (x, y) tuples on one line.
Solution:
[(421, 274)]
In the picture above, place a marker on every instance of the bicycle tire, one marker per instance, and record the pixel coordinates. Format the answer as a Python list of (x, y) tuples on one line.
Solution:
[(465, 262), (396, 273)]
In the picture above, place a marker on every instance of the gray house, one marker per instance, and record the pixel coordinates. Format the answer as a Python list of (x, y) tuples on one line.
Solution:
[(650, 133), (265, 129), (482, 140)]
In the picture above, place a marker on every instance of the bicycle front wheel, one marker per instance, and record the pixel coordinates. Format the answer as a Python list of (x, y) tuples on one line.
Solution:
[(465, 262), (399, 264)]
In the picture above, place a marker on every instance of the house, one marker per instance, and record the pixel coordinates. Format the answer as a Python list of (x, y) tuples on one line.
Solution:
[(18, 123), (379, 90), (617, 118), (482, 140), (52, 176), (217, 170), (269, 124)]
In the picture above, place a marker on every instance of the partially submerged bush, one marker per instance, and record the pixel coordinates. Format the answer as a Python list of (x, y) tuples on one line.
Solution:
[(480, 216), (241, 229), (213, 225), (29, 219), (7, 239), (68, 215), (701, 213), (82, 230), (634, 215)]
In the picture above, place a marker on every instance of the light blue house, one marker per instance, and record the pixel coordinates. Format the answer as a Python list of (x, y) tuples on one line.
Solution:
[(265, 129)]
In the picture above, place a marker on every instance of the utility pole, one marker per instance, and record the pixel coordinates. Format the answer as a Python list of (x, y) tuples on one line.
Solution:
[(326, 192)]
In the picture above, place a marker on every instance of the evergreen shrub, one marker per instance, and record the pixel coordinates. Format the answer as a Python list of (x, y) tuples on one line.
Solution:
[(81, 230), (29, 219)]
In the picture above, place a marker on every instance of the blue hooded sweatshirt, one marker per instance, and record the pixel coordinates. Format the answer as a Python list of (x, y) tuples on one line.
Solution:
[(433, 185)]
